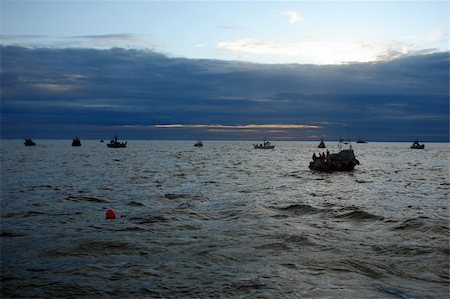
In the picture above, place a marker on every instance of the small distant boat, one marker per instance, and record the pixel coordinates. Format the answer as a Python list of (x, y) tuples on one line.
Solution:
[(344, 160), (76, 142), (199, 143), (416, 145), (116, 144), (321, 144), (265, 145), (101, 140), (361, 141), (29, 142)]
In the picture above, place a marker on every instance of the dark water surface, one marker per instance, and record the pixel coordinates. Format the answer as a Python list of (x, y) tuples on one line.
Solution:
[(222, 221)]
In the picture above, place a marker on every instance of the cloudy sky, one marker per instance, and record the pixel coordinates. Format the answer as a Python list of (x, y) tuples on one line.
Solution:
[(225, 70), (316, 32)]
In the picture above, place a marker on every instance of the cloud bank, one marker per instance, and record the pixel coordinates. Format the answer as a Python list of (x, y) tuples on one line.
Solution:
[(92, 93), (104, 41), (249, 126)]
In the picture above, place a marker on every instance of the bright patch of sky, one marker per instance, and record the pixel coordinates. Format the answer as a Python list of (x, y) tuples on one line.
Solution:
[(257, 31)]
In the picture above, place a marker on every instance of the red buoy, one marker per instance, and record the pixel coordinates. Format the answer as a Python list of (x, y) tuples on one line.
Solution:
[(110, 214)]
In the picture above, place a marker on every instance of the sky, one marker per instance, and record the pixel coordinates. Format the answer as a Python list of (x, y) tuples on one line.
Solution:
[(296, 70), (319, 32)]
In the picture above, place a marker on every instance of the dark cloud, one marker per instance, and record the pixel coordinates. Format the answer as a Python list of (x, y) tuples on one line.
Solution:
[(64, 92)]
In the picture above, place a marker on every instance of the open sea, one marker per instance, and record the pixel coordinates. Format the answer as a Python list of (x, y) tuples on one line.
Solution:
[(222, 221)]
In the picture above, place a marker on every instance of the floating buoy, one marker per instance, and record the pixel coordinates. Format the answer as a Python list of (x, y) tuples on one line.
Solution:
[(110, 214)]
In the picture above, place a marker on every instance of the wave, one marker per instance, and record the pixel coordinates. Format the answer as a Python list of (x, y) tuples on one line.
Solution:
[(31, 188), (23, 214), (135, 204), (303, 209), (77, 198), (274, 246), (11, 234), (411, 223), (300, 209), (360, 215), (179, 196), (370, 270), (150, 219), (420, 225), (410, 250), (98, 248), (298, 240)]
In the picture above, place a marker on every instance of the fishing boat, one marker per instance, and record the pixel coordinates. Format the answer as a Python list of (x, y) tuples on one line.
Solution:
[(361, 141), (344, 160), (116, 144), (321, 144), (29, 142), (199, 143), (265, 145), (416, 145), (76, 142)]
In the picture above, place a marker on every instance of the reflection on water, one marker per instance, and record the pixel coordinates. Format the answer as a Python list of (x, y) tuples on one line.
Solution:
[(224, 220)]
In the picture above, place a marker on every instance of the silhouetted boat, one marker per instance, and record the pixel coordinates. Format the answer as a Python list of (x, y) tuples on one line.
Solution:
[(416, 145), (199, 143), (321, 144), (344, 160), (116, 144), (29, 142), (101, 140), (76, 142), (361, 141), (265, 145)]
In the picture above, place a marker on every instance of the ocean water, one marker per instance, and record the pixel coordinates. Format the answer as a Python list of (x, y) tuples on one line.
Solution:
[(222, 221)]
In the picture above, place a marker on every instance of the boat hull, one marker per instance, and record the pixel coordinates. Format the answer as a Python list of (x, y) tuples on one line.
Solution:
[(116, 145), (331, 167)]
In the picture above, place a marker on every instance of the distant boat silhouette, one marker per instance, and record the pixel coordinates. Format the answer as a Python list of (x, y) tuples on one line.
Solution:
[(416, 145), (361, 141), (76, 142), (265, 145), (116, 144), (29, 142), (321, 144), (199, 143), (101, 140)]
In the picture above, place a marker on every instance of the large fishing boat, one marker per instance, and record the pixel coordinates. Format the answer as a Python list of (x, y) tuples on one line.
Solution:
[(344, 160)]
